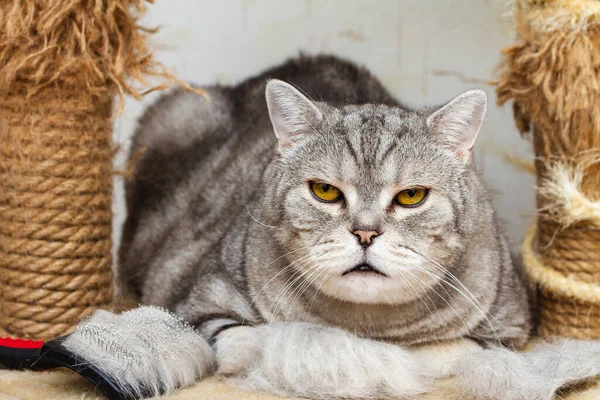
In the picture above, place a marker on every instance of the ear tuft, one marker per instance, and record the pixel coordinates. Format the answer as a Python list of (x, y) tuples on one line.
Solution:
[(458, 122), (292, 114)]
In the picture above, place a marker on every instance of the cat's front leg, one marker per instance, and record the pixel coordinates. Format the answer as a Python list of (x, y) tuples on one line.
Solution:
[(498, 373), (441, 358), (306, 360)]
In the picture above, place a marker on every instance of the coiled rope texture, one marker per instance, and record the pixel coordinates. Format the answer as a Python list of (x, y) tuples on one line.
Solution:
[(55, 210)]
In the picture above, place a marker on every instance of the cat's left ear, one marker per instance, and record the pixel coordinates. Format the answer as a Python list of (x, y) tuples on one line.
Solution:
[(458, 122), (292, 114)]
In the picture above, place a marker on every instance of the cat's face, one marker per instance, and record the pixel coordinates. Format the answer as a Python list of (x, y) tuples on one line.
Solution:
[(372, 197)]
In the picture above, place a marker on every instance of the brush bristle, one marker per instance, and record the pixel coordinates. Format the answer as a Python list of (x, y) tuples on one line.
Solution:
[(146, 352)]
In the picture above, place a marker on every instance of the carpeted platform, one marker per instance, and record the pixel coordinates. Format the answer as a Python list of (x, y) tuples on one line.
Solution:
[(66, 385)]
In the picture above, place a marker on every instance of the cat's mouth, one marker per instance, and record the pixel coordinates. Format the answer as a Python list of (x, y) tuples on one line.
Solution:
[(364, 268)]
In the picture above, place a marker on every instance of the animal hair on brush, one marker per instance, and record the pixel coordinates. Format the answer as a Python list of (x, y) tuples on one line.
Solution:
[(146, 351), (503, 374)]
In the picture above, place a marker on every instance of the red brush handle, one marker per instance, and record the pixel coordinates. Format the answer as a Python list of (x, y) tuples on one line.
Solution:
[(21, 343)]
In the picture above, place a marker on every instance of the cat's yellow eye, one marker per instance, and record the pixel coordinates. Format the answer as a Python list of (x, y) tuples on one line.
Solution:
[(411, 197), (325, 192)]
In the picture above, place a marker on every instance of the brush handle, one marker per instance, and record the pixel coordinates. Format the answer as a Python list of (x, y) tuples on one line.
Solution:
[(53, 352), (37, 356), (22, 354)]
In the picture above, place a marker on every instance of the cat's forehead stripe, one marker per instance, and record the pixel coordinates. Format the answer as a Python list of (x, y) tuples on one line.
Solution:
[(351, 150), (387, 150), (367, 132)]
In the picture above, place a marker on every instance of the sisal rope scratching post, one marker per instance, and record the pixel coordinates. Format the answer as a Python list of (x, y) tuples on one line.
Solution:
[(61, 64), (552, 74)]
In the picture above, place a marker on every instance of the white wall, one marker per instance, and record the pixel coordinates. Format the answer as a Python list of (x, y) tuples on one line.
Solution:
[(425, 52)]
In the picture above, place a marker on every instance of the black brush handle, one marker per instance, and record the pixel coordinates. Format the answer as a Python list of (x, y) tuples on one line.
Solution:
[(53, 352), (14, 355), (14, 358)]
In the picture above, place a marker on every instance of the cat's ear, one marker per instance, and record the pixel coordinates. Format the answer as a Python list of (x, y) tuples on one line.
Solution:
[(458, 122), (292, 114)]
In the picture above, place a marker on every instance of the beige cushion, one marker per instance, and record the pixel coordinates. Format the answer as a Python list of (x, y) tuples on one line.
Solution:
[(66, 385)]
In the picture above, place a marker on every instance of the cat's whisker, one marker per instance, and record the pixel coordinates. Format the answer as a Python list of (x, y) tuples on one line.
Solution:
[(472, 296), (273, 307), (442, 278), (281, 302), (282, 271), (307, 284), (442, 297), (297, 272), (297, 275), (308, 277), (287, 254), (255, 220), (324, 280), (477, 307), (420, 282)]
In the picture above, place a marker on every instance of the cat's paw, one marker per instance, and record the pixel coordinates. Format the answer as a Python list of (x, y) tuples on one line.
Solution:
[(236, 349), (146, 351), (305, 360)]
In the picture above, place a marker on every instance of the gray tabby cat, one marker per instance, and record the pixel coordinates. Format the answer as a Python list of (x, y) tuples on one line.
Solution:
[(324, 239), (228, 224)]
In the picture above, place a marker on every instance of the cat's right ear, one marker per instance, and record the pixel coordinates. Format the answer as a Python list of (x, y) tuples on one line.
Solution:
[(292, 114)]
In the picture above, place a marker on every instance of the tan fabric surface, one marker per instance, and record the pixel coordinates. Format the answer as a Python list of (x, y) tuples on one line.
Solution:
[(66, 385)]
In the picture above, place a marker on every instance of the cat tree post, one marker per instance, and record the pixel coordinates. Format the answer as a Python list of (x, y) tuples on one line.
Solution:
[(552, 74), (61, 64)]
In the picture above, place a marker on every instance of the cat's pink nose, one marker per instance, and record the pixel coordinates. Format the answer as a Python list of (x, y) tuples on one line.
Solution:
[(365, 237)]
